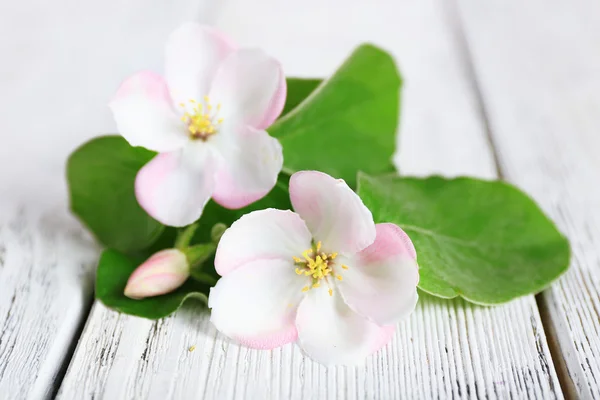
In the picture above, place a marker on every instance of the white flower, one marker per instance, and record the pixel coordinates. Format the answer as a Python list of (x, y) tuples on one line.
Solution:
[(325, 274), (206, 118)]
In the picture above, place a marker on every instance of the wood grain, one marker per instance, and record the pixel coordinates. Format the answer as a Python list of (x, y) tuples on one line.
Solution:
[(447, 349), (45, 279), (538, 67)]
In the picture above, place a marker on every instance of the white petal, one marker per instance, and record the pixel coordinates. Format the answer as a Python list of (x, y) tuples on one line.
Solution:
[(381, 281), (250, 163), (251, 87), (174, 187), (193, 55), (333, 213), (256, 303), (144, 113), (331, 333), (264, 234)]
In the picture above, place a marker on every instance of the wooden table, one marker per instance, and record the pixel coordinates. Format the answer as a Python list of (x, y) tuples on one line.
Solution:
[(496, 89)]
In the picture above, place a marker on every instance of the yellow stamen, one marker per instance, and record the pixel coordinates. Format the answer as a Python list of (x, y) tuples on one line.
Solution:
[(306, 256), (316, 265), (331, 292), (344, 266), (200, 124)]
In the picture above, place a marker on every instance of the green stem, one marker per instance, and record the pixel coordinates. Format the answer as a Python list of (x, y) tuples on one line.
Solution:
[(199, 253), (185, 237), (203, 277), (217, 231)]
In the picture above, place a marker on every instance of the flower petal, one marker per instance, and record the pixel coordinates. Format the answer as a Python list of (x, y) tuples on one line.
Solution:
[(250, 163), (386, 334), (193, 55), (174, 187), (144, 113), (251, 87), (381, 281), (333, 213), (331, 333), (256, 303), (264, 234)]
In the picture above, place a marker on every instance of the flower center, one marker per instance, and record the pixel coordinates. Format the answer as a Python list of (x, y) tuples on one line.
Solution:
[(318, 265), (201, 118)]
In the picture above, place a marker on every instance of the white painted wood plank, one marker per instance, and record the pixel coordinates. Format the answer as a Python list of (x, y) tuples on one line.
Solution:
[(447, 349), (61, 61), (538, 66), (45, 294)]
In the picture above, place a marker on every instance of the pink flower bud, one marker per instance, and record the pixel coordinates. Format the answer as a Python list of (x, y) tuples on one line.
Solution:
[(162, 273)]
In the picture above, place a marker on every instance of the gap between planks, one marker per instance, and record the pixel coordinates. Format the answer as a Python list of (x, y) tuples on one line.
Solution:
[(539, 71), (566, 384)]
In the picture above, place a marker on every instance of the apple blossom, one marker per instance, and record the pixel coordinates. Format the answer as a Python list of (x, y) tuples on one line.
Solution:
[(325, 274), (162, 273), (206, 118)]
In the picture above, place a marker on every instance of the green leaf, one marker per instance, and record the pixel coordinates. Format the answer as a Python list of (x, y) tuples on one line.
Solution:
[(349, 122), (101, 175), (298, 89), (487, 242), (113, 272)]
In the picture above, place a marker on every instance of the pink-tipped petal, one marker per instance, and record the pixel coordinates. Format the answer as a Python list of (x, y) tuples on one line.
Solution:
[(331, 333), (144, 113), (250, 163), (266, 234), (162, 273), (386, 334), (333, 213), (381, 281), (173, 188), (193, 55), (275, 108), (269, 341), (257, 303), (251, 87)]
